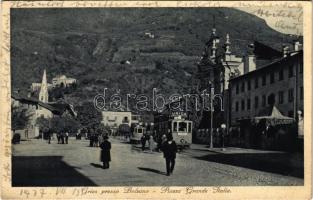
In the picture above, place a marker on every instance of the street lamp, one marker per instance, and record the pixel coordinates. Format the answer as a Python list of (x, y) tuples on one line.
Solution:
[(223, 127)]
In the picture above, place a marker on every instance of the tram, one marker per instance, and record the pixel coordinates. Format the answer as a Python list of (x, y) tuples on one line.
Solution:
[(175, 124), (137, 133)]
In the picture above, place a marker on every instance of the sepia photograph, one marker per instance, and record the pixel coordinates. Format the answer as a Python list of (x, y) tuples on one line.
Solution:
[(185, 96)]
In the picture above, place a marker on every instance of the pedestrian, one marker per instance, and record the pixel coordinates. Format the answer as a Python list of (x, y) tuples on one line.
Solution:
[(143, 142), (169, 149), (49, 137), (164, 139), (91, 137), (100, 138), (95, 140), (151, 143), (62, 137), (161, 141), (105, 152), (66, 137), (58, 137)]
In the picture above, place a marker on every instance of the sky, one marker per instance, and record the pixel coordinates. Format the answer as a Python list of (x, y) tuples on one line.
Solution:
[(282, 19)]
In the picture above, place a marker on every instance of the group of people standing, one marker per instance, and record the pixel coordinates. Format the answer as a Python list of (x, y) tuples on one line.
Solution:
[(150, 140), (95, 140), (62, 137)]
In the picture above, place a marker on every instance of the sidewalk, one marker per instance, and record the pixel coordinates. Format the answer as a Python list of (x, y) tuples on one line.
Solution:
[(276, 161), (230, 150)]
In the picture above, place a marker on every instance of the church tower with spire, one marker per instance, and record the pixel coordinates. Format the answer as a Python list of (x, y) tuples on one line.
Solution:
[(43, 94)]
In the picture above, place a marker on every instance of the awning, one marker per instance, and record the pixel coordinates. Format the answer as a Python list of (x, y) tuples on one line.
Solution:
[(275, 118)]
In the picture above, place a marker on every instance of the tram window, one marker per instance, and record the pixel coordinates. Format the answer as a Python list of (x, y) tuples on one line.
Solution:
[(139, 130), (189, 127), (182, 126), (175, 126)]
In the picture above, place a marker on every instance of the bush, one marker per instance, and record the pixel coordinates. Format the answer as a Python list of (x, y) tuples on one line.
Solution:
[(16, 138)]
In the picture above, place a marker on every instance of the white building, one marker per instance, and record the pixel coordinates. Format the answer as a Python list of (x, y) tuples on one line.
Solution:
[(115, 118), (36, 86), (62, 81)]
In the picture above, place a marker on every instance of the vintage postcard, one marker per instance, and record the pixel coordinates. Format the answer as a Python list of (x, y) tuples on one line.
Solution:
[(156, 100)]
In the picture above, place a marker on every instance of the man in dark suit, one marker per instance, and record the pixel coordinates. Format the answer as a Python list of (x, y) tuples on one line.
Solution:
[(105, 152), (169, 149)]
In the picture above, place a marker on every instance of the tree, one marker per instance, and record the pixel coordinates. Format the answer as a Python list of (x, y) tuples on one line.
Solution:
[(89, 117), (71, 125), (43, 123), (58, 124), (19, 118), (64, 123)]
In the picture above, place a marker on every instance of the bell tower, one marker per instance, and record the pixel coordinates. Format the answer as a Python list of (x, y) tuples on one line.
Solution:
[(43, 94)]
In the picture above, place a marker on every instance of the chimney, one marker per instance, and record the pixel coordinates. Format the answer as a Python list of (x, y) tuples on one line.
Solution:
[(286, 51), (249, 63), (297, 46)]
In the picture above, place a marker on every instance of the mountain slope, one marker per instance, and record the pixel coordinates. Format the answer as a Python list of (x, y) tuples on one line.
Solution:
[(93, 45)]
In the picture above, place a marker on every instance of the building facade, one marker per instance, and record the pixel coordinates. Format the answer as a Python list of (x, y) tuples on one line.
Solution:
[(278, 84), (63, 81), (115, 118), (216, 66), (58, 81)]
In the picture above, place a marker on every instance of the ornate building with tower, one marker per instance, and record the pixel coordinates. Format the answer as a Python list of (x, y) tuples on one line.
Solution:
[(216, 66), (262, 69)]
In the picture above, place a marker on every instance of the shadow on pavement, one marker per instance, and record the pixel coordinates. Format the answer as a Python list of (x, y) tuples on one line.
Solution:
[(151, 170), (96, 165), (45, 171), (280, 163)]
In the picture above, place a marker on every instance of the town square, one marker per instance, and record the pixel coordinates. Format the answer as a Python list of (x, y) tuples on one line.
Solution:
[(157, 97)]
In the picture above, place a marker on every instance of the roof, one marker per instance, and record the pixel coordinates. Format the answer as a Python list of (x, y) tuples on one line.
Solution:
[(278, 61), (263, 51), (271, 115), (275, 117), (55, 108), (62, 108)]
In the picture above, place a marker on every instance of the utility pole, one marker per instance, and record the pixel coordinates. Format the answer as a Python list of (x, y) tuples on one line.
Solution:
[(211, 118)]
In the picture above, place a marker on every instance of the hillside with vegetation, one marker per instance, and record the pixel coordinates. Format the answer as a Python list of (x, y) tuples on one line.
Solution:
[(133, 50)]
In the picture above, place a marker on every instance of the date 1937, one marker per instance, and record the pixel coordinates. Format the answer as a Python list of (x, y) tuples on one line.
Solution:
[(32, 193)]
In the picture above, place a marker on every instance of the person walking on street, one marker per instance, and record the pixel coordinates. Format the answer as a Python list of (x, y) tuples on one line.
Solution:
[(62, 137), (143, 142), (59, 137), (151, 143), (100, 138), (66, 137), (91, 139), (95, 140), (164, 139), (49, 137), (105, 152), (169, 149)]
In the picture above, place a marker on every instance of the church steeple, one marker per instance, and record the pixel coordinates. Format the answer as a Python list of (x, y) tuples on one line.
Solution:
[(43, 94)]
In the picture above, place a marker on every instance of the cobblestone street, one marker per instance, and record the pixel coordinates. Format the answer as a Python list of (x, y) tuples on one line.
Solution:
[(36, 163)]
